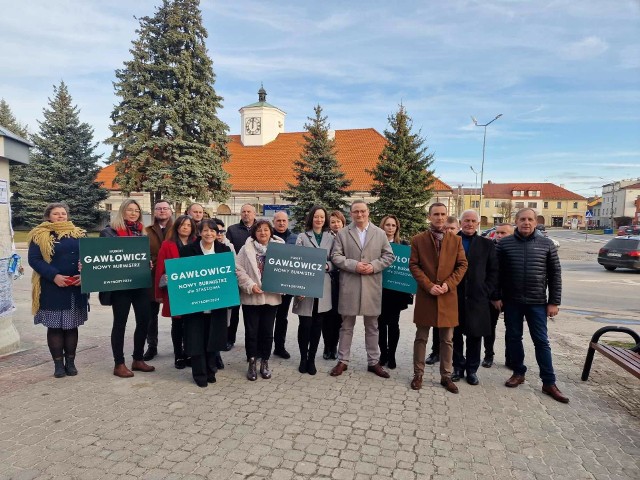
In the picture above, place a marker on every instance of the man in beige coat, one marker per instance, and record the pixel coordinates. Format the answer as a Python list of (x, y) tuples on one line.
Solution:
[(438, 264), (361, 251)]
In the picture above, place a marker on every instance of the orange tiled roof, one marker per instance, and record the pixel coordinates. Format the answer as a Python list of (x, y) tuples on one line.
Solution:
[(107, 176), (547, 190), (270, 167)]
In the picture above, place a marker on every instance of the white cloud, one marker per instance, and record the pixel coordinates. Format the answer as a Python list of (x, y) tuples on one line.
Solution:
[(588, 47)]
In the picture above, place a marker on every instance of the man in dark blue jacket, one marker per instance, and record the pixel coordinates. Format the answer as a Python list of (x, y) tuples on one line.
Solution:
[(237, 235), (529, 264), (281, 229)]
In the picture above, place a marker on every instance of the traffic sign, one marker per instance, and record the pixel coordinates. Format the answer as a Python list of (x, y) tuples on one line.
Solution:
[(589, 214)]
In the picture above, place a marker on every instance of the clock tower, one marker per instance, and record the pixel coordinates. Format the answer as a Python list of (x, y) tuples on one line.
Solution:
[(260, 122)]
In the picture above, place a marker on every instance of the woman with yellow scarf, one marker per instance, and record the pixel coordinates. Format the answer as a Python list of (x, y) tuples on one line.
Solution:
[(56, 299)]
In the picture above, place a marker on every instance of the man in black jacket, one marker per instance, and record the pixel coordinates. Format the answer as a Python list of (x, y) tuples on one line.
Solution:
[(237, 235), (528, 265), (477, 288), (281, 229)]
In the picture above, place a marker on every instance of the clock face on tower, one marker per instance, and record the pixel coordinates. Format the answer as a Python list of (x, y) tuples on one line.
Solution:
[(252, 126)]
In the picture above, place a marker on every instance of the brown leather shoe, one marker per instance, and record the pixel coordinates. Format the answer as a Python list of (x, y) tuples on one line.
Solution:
[(416, 383), (514, 381), (378, 370), (554, 393), (122, 371), (447, 383), (339, 369), (139, 365)]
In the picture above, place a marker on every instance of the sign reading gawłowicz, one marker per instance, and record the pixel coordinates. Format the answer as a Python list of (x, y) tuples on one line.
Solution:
[(202, 282), (397, 276), (118, 263), (294, 270)]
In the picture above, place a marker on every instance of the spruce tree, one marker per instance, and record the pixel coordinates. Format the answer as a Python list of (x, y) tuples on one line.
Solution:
[(63, 165), (320, 181), (402, 180), (16, 171), (166, 136)]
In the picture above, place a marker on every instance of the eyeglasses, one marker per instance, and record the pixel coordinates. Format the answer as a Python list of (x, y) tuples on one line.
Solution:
[(222, 231), (358, 212), (163, 209), (129, 210)]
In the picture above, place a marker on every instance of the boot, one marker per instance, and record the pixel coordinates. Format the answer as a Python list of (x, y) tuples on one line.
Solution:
[(59, 371), (150, 353), (392, 362), (311, 361), (302, 368), (70, 367), (311, 366), (251, 372), (264, 369)]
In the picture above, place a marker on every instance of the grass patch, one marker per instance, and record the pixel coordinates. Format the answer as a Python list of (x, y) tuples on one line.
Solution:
[(593, 232), (616, 343), (20, 236)]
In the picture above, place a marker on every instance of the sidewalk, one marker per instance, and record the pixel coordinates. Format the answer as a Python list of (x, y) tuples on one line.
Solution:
[(357, 426)]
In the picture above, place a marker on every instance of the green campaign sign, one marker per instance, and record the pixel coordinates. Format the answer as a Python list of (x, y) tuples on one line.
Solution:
[(397, 276), (294, 269), (118, 263), (203, 282)]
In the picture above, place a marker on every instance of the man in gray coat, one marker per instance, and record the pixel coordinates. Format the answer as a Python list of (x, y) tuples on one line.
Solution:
[(361, 251)]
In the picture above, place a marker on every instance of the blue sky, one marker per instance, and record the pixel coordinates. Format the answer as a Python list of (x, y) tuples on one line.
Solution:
[(564, 74)]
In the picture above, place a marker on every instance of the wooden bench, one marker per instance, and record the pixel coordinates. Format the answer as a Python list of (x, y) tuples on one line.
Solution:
[(627, 358)]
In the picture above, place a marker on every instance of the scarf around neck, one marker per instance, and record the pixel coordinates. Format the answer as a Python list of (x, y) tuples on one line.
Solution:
[(131, 229), (437, 235), (44, 236)]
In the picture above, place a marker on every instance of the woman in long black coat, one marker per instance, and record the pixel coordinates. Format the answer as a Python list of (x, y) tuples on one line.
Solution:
[(205, 333), (393, 302)]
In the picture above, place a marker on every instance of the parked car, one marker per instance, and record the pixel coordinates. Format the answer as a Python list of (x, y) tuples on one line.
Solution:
[(621, 252), (488, 232), (541, 227), (629, 230)]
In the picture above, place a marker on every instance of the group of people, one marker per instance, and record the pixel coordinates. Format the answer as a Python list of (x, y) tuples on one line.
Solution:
[(464, 281)]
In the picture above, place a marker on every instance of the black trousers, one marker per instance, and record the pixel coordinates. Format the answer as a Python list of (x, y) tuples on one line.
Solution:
[(309, 331), (472, 360), (282, 322), (121, 303), (233, 324), (258, 329), (490, 340), (152, 331), (435, 339), (177, 336), (389, 331), (331, 324)]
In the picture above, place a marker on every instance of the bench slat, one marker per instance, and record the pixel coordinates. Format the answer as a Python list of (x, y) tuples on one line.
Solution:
[(622, 353), (627, 359)]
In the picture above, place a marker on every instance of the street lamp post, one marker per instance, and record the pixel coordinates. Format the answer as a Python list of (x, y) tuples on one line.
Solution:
[(476, 185), (484, 142)]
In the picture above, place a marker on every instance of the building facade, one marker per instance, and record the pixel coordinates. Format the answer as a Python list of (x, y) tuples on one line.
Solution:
[(618, 200), (554, 205)]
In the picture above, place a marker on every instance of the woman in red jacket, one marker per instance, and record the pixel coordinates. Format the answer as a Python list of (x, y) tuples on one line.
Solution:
[(181, 233)]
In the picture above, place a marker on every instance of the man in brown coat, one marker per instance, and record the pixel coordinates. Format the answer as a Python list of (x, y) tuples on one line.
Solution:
[(438, 264), (156, 232)]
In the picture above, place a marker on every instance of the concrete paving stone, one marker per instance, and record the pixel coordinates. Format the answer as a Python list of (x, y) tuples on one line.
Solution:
[(342, 474)]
